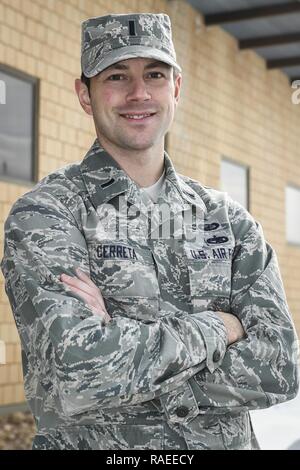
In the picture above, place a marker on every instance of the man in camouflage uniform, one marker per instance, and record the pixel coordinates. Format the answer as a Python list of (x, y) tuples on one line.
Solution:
[(157, 342)]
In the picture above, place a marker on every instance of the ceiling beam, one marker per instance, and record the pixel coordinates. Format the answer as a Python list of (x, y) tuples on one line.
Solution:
[(283, 62), (266, 41), (251, 13)]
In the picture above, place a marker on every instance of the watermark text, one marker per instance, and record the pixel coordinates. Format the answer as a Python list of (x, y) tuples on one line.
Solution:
[(296, 93)]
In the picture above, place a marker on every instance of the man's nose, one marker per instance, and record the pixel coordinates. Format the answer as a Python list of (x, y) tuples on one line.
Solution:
[(138, 90)]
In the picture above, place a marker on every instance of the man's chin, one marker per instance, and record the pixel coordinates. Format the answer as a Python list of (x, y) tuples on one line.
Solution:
[(139, 144)]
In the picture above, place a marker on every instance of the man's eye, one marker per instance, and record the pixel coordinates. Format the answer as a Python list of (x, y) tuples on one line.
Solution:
[(156, 74), (114, 77)]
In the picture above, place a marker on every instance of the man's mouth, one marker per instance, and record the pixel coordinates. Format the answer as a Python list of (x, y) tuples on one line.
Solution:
[(137, 117)]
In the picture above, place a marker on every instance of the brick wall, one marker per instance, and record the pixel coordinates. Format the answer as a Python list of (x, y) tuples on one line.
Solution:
[(230, 106)]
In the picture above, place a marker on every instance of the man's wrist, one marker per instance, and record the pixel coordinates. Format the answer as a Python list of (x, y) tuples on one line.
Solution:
[(234, 327)]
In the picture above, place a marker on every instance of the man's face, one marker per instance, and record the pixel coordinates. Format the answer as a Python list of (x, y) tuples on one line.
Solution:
[(132, 102)]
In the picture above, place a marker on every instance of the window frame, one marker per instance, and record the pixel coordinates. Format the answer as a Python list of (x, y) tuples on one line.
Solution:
[(292, 186), (248, 180), (35, 82)]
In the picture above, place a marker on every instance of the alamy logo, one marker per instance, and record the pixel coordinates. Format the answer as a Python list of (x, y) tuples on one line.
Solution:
[(2, 92), (143, 222), (296, 93)]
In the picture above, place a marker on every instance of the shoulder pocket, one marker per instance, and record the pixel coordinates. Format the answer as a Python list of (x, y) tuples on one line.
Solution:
[(127, 278), (209, 271), (123, 270)]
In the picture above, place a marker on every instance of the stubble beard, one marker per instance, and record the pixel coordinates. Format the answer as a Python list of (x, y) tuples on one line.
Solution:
[(120, 137)]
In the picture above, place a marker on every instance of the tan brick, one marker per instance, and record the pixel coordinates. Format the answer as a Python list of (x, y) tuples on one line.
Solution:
[(17, 352), (31, 9), (66, 133), (53, 147), (4, 373), (20, 60), (7, 316), (16, 4), (10, 17), (20, 22), (13, 374), (5, 34), (42, 70), (20, 373), (2, 10), (8, 333), (16, 40), (19, 393), (8, 394)]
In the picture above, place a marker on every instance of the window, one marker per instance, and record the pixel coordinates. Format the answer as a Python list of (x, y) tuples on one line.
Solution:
[(235, 181), (292, 214), (18, 126)]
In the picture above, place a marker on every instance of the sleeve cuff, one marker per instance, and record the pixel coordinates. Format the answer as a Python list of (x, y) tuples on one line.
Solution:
[(214, 334)]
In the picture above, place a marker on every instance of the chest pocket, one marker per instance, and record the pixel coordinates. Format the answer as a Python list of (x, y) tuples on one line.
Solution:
[(209, 269), (127, 278)]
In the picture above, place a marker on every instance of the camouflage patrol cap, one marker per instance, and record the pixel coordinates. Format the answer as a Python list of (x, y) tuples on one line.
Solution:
[(111, 38)]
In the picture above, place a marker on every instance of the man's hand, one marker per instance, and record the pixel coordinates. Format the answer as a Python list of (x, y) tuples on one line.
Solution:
[(88, 291), (235, 330)]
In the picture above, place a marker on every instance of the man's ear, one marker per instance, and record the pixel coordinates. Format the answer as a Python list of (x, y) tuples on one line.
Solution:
[(83, 96), (178, 82)]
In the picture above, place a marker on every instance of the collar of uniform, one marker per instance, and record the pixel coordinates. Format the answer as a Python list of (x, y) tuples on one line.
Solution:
[(100, 170), (183, 190), (103, 177)]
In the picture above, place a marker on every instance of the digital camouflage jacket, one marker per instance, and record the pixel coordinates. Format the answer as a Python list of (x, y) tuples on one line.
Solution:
[(160, 374)]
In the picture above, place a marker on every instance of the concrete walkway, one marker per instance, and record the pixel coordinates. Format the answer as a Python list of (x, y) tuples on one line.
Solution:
[(278, 427)]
